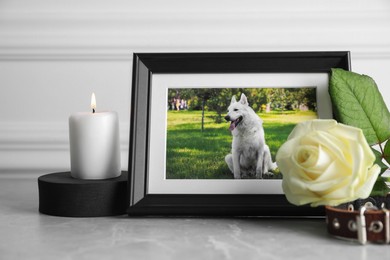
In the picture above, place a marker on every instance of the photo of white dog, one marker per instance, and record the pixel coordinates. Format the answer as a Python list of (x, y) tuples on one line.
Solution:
[(250, 157)]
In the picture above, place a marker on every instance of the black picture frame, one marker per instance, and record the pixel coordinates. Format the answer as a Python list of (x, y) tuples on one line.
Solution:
[(145, 65)]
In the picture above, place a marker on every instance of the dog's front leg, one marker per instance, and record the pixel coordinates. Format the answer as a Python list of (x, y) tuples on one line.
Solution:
[(236, 165), (260, 163)]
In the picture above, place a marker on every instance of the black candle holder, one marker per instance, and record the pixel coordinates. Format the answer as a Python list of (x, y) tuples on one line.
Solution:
[(62, 195)]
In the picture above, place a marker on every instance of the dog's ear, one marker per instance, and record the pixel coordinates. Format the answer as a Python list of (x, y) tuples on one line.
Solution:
[(233, 100), (244, 100)]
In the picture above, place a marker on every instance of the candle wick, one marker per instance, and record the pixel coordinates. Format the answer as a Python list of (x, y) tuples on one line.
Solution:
[(93, 110)]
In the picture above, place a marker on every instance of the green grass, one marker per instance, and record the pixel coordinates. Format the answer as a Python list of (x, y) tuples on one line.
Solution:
[(193, 154)]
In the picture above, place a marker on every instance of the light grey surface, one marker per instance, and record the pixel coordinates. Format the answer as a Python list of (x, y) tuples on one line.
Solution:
[(27, 234)]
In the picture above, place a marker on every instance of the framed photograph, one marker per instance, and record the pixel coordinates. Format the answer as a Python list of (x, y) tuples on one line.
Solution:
[(192, 113)]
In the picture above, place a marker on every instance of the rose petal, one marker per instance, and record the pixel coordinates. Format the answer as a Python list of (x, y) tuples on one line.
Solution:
[(335, 170), (364, 191), (296, 193), (302, 129)]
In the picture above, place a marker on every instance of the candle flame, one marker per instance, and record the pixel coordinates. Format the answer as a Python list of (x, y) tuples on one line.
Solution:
[(93, 102)]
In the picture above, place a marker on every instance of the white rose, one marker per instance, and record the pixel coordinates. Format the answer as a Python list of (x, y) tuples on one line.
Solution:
[(326, 163)]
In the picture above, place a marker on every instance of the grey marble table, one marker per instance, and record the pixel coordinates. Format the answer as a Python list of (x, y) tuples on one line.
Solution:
[(27, 234)]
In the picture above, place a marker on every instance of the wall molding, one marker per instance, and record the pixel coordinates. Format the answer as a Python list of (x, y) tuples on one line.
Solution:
[(115, 35), (38, 136), (42, 147)]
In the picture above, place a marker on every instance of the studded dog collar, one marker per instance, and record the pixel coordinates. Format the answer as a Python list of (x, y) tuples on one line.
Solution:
[(370, 222)]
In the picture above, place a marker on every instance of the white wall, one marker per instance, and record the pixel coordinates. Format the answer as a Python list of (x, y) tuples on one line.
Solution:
[(53, 54)]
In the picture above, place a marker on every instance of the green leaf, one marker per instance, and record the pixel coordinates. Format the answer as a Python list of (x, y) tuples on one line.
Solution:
[(380, 188), (386, 152), (378, 160), (358, 102)]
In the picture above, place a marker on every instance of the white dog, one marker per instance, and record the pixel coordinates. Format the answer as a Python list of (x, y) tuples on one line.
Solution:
[(250, 155)]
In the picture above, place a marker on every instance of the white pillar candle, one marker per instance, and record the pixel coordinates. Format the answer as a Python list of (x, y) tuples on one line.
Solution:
[(94, 144)]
